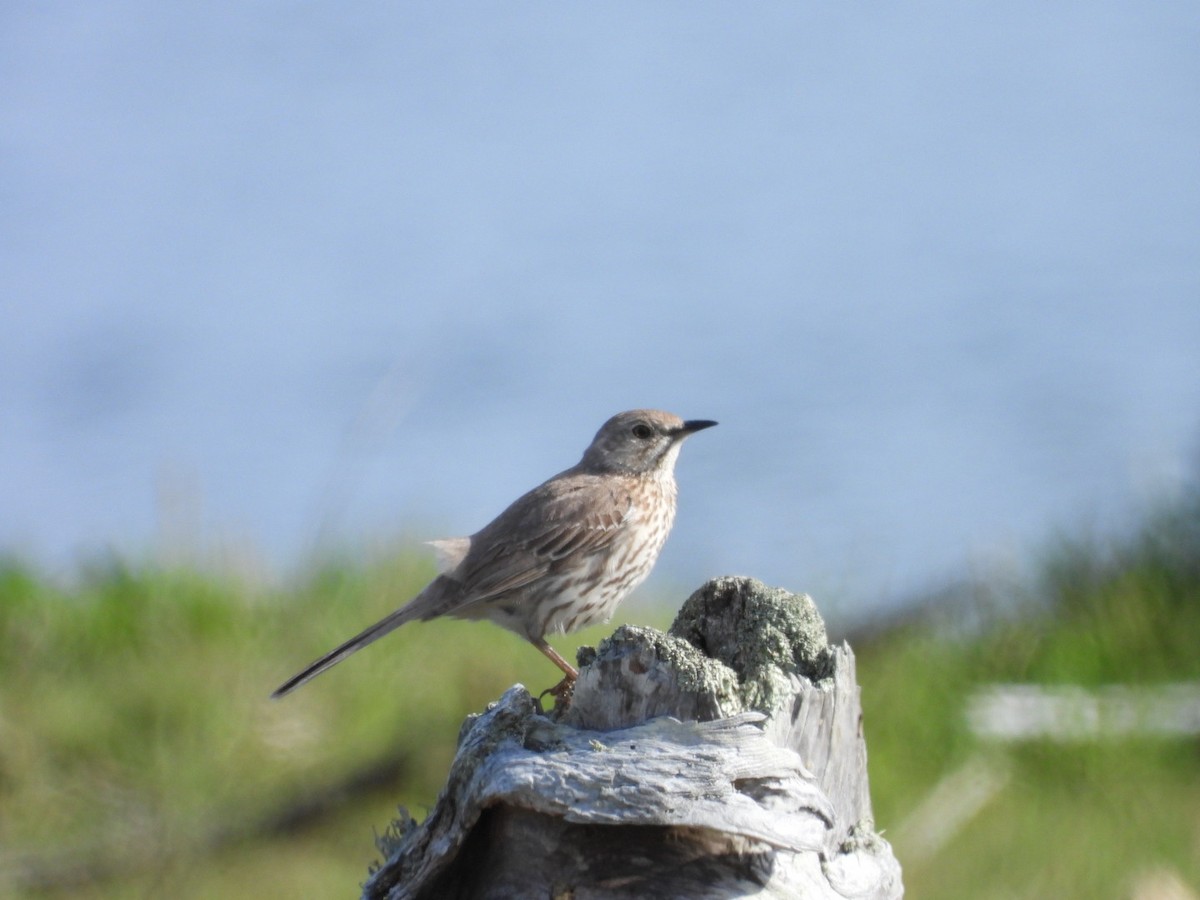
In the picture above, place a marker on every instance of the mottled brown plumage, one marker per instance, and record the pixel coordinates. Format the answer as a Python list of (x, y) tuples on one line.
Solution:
[(562, 556)]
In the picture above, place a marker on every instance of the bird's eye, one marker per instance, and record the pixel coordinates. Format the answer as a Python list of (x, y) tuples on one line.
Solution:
[(642, 431)]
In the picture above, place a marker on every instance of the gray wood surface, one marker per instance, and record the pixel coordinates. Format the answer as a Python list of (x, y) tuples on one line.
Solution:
[(724, 759)]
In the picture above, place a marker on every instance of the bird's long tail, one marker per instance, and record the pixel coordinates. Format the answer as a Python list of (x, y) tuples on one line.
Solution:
[(404, 614)]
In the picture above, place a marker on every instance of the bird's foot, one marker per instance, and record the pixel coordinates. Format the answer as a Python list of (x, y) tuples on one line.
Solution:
[(562, 694)]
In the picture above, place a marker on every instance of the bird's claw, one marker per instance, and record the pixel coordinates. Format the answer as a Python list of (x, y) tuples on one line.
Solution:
[(562, 694)]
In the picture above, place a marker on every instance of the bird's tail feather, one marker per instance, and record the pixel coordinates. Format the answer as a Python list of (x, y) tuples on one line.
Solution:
[(337, 654)]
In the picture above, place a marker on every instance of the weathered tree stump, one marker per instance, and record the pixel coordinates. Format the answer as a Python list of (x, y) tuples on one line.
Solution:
[(724, 759)]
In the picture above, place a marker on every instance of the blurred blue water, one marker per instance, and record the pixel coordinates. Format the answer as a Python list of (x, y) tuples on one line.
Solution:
[(280, 277)]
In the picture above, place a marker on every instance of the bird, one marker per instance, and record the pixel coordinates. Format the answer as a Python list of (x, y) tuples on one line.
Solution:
[(560, 557)]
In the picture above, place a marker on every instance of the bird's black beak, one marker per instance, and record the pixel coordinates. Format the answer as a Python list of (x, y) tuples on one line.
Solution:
[(692, 426)]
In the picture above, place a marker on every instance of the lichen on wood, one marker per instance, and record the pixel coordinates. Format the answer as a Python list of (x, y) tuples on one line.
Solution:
[(723, 759)]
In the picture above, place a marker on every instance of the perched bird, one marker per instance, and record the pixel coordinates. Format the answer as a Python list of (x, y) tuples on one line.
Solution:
[(563, 555)]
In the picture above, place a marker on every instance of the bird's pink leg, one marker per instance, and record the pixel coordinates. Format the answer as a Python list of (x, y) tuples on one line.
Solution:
[(563, 690), (553, 655)]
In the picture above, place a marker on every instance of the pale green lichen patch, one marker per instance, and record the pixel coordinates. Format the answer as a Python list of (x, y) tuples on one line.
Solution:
[(694, 672), (764, 634)]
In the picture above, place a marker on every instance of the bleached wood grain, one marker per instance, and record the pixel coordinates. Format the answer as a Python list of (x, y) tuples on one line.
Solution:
[(725, 759)]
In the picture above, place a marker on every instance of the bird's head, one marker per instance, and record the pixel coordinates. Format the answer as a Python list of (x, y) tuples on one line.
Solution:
[(640, 441)]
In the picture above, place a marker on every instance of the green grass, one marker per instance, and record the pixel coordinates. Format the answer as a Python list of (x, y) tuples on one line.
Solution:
[(140, 754), (137, 737), (1074, 820)]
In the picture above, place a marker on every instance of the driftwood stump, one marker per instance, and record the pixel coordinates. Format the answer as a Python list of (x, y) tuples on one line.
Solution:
[(724, 759)]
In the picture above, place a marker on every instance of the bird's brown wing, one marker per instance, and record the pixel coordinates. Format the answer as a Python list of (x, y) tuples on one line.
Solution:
[(566, 516)]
